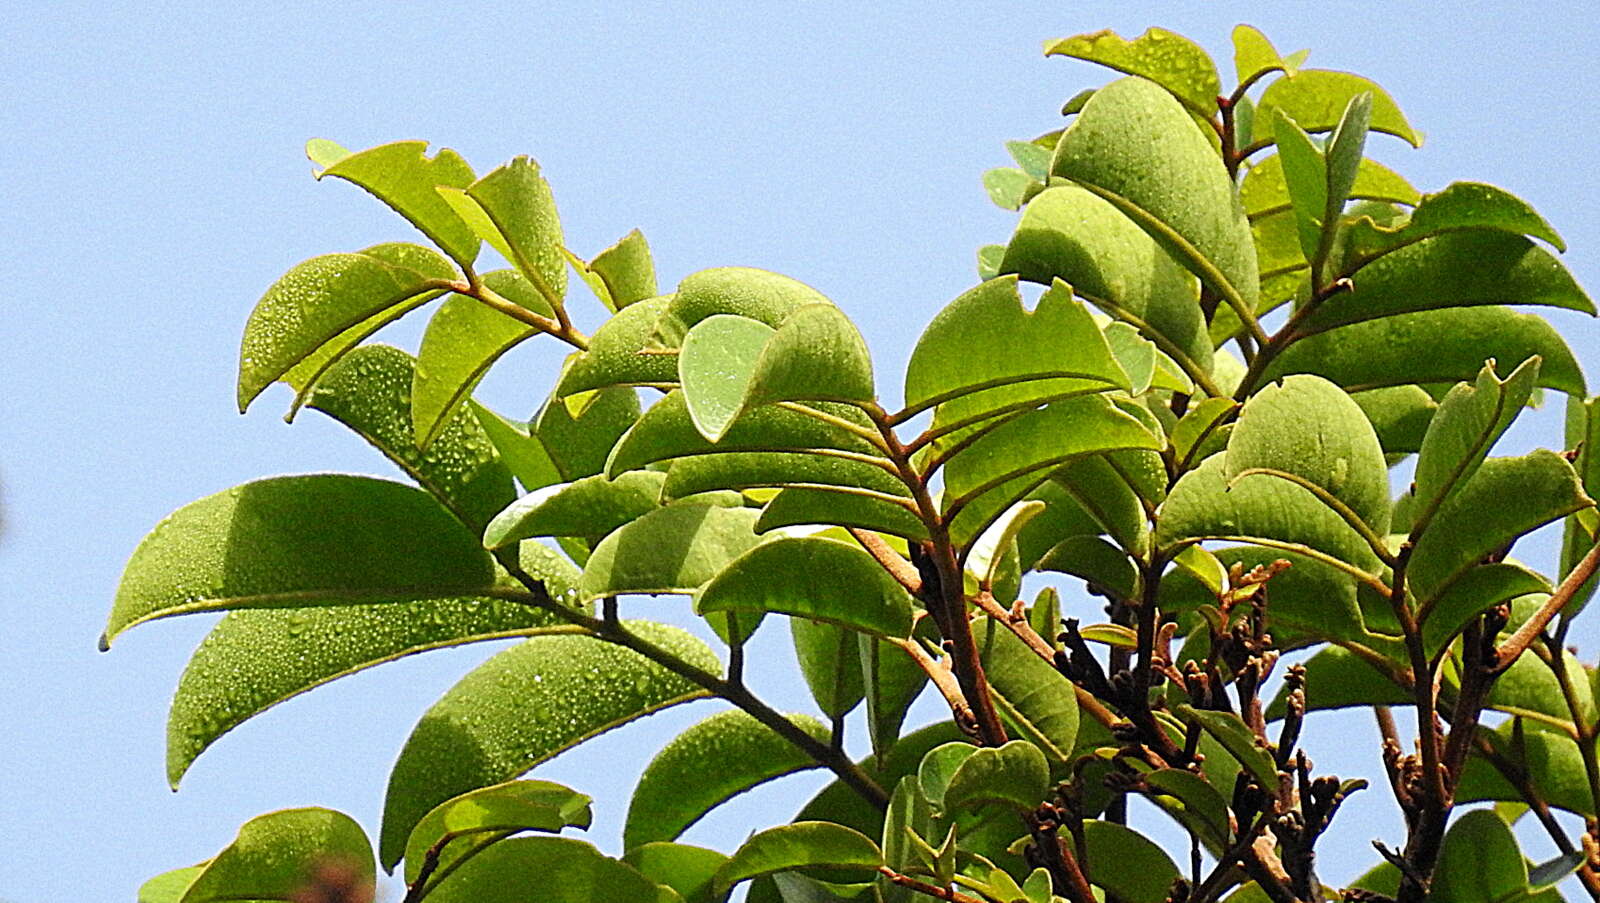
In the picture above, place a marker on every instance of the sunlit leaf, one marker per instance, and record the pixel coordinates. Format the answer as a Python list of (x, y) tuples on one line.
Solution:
[(275, 853), (690, 871), (1264, 190), (402, 176), (1253, 54), (1035, 699), (617, 355), (1461, 206), (579, 444), (1201, 805), (1317, 98), (592, 506), (1008, 187), (568, 870), (814, 578), (517, 200), (670, 550), (1169, 59), (716, 365), (821, 505), (1470, 419), (755, 294), (510, 807), (627, 270), (803, 845)]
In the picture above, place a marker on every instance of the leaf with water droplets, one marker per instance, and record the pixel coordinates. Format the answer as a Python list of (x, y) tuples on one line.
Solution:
[(670, 550), (331, 302), (292, 542), (1316, 99), (276, 853), (524, 706), (578, 444), (401, 175), (169, 887), (590, 507), (566, 871), (715, 367), (617, 354), (814, 578), (842, 507), (707, 765), (517, 200), (1167, 58), (742, 291), (1253, 54), (253, 660), (509, 807)]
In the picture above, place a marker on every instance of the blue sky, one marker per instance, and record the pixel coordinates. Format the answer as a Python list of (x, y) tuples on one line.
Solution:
[(155, 186)]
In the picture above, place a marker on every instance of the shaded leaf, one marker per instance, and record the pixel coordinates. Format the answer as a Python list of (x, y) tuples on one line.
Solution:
[(1317, 98), (510, 807), (830, 661), (909, 815), (1337, 678), (1551, 760), (526, 456), (1579, 534), (401, 175), (275, 853), (1531, 686), (1470, 419), (1035, 699), (813, 578), (1104, 566), (1126, 863), (802, 845), (688, 870), (670, 550), (579, 445), (1399, 415), (1169, 59), (938, 766), (568, 870), (1239, 740), (617, 355), (1202, 806), (1015, 774), (890, 682), (1479, 861), (820, 505)]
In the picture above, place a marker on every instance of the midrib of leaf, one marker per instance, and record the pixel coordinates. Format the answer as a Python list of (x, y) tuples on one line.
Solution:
[(911, 411)]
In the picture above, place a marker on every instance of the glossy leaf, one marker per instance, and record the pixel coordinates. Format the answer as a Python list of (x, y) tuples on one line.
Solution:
[(1479, 861), (1253, 54), (1038, 703), (1470, 419), (688, 870), (716, 365), (1139, 149), (627, 270), (1462, 205), (253, 660), (293, 542), (670, 550), (369, 391), (755, 294), (1126, 863), (503, 808), (1239, 741), (813, 578), (617, 355), (818, 505), (402, 176), (830, 661), (275, 853), (591, 507), (523, 453), (525, 705), (666, 431), (802, 845), (705, 766), (579, 444), (318, 301), (1432, 346), (1169, 59), (1015, 774), (517, 200), (1317, 98), (568, 870)]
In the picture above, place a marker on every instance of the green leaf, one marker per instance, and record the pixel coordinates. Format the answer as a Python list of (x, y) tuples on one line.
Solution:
[(617, 356), (830, 661), (169, 887), (1199, 424), (1475, 592), (293, 542), (568, 870), (1139, 149), (517, 200), (1200, 806), (318, 302), (938, 766), (1583, 435), (1253, 54), (1015, 774), (1309, 427), (402, 176), (1169, 59), (1104, 493), (1316, 99), (1033, 158), (1505, 499), (590, 507), (742, 291), (989, 259), (691, 871), (666, 431), (1345, 150), (1126, 863), (1237, 739), (1264, 190), (1008, 187), (808, 845), (1551, 760), (369, 391), (909, 815), (670, 550), (814, 578), (1004, 464), (1035, 699), (1310, 599), (1432, 346), (275, 853), (579, 444), (1460, 206), (1530, 686), (1305, 172), (463, 340), (705, 766), (1549, 873), (1399, 415), (1054, 351), (1337, 678), (890, 682), (716, 366), (1452, 269), (627, 270), (524, 454), (253, 660), (503, 808), (821, 505), (1479, 861), (816, 355), (524, 705), (1470, 419)]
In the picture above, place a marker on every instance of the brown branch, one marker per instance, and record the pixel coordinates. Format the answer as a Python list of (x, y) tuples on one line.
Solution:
[(923, 887), (944, 680), (1518, 642), (900, 569)]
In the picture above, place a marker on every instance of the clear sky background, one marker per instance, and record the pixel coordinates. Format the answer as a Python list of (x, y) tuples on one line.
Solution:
[(155, 186)]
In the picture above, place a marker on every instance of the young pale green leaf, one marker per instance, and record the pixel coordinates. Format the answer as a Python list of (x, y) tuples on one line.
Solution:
[(333, 300), (1345, 150), (401, 175), (526, 456), (1053, 351), (1399, 415), (938, 765), (1135, 146), (294, 542), (1452, 269), (890, 682), (830, 661), (1126, 863), (1169, 59), (1433, 346), (510, 807), (1460, 206), (169, 887), (568, 870), (670, 550), (275, 853), (1265, 191), (617, 355), (1473, 593), (813, 578), (1033, 697), (253, 660), (369, 391), (517, 200), (805, 845), (1470, 419), (1305, 174), (590, 507), (1033, 158), (525, 705), (1479, 861), (1317, 99), (1008, 187), (627, 270), (1308, 427), (1202, 807), (704, 767), (1237, 739), (1505, 499), (1015, 774), (667, 431), (463, 340), (909, 815), (799, 505), (1253, 55), (989, 260), (716, 366), (756, 294), (690, 871)]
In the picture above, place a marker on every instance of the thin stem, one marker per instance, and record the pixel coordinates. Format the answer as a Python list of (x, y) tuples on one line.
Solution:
[(923, 887), (900, 569), (1518, 642), (1580, 719)]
